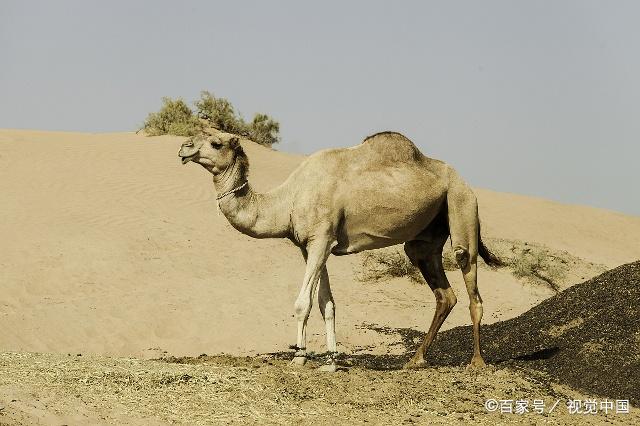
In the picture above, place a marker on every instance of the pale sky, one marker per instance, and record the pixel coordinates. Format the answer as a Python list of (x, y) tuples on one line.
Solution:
[(531, 97)]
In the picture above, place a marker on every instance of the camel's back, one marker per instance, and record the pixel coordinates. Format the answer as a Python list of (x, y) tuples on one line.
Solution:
[(378, 155), (389, 148)]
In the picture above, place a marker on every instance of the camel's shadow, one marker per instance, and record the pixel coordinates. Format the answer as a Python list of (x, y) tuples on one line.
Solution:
[(451, 348), (585, 336)]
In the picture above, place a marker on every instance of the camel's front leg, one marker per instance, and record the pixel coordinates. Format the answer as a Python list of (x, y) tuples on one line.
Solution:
[(317, 253), (328, 311)]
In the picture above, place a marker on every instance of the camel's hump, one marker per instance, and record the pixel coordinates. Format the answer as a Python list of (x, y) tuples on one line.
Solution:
[(393, 146)]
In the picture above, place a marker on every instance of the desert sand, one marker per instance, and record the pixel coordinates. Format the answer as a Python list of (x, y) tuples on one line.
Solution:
[(110, 247)]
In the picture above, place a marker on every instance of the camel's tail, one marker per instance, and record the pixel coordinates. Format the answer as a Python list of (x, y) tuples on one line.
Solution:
[(488, 257)]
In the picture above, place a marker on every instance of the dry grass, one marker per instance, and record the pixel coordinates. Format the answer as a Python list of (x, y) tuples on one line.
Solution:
[(538, 264), (531, 262), (382, 264), (226, 390), (392, 262)]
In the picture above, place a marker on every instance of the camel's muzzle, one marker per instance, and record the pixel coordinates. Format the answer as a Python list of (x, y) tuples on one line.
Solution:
[(187, 155), (185, 160)]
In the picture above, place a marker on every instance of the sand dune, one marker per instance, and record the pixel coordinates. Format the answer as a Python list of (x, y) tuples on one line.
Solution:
[(110, 246)]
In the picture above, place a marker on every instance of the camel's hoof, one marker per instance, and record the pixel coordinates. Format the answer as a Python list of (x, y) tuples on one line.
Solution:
[(298, 361), (415, 365), (476, 364), (328, 368)]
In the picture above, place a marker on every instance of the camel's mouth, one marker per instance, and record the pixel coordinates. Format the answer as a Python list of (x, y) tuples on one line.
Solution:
[(185, 160)]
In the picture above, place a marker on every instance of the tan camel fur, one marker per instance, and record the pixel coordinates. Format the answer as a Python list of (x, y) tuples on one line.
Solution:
[(343, 201)]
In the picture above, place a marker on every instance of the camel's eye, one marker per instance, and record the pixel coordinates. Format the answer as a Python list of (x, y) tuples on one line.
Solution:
[(216, 145)]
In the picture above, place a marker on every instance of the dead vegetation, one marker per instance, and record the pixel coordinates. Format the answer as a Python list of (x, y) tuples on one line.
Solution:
[(534, 263), (541, 265), (237, 390), (382, 264)]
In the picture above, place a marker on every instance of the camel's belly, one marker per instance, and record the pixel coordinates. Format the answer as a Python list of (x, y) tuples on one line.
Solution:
[(362, 242), (383, 225)]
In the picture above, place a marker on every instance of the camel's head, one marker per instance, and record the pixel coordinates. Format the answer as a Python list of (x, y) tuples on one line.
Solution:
[(215, 150)]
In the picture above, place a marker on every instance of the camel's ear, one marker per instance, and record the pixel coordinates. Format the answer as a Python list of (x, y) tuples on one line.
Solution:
[(234, 142)]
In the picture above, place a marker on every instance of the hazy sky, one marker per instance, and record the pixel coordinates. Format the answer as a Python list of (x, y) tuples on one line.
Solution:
[(532, 97)]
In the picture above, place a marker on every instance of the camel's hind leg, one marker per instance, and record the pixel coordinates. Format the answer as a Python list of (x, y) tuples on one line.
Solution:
[(427, 256), (464, 229)]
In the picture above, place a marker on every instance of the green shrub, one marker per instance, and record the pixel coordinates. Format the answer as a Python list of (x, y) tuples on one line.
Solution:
[(264, 130), (174, 118), (221, 114)]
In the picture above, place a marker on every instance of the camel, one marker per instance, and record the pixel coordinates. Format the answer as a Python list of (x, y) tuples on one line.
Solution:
[(379, 193)]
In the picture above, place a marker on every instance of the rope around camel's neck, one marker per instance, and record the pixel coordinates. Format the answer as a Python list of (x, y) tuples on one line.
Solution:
[(231, 177), (232, 191)]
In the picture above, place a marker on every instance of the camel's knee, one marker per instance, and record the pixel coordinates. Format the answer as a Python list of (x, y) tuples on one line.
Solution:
[(462, 256), (302, 308)]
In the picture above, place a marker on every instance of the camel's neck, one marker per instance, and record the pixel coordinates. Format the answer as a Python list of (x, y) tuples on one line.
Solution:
[(253, 214)]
